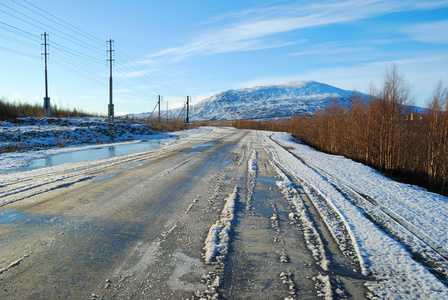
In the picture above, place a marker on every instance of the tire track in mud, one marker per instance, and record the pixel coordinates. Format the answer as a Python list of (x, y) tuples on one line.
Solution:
[(184, 275), (269, 258), (217, 246), (218, 242), (264, 263), (340, 276)]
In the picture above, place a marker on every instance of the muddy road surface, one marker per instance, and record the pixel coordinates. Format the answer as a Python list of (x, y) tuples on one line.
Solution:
[(210, 218)]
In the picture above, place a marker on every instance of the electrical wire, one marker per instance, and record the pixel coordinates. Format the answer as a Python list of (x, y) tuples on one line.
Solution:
[(17, 41), (19, 52), (87, 57), (60, 34), (152, 78), (61, 23), (18, 31), (76, 72)]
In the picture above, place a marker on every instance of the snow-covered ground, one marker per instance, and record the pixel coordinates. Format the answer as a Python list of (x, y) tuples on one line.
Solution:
[(34, 133), (35, 138), (388, 222)]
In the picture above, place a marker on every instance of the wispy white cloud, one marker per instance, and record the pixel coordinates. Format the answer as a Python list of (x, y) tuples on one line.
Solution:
[(132, 74), (431, 4), (428, 32), (261, 28), (331, 49)]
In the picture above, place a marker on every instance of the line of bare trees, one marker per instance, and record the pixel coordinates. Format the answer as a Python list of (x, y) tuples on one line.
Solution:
[(383, 132)]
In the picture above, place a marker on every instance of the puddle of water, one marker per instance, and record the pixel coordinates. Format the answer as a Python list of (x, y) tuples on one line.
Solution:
[(225, 163), (94, 154), (269, 180), (200, 148), (104, 177), (132, 166), (11, 215)]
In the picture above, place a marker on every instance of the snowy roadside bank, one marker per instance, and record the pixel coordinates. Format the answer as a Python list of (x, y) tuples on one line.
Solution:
[(39, 138), (51, 178), (421, 215), (427, 211), (34, 133)]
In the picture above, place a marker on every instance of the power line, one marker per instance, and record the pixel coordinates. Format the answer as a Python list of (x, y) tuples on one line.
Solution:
[(80, 31), (152, 78), (18, 31), (86, 56), (62, 35), (19, 52), (17, 41), (75, 72), (87, 68), (75, 52)]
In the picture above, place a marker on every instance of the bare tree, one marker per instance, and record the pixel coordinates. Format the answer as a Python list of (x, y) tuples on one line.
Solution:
[(435, 123), (394, 95), (437, 136)]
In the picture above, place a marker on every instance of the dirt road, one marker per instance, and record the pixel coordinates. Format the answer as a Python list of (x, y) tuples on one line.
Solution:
[(215, 218)]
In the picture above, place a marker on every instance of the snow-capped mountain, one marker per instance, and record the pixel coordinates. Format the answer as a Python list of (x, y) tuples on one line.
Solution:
[(267, 102)]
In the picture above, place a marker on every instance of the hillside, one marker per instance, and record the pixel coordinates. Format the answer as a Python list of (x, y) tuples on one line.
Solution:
[(266, 102)]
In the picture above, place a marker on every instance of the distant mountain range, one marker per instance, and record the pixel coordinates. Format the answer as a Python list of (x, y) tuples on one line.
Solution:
[(266, 102)]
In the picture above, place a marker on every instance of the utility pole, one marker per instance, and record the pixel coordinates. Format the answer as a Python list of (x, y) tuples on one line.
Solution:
[(111, 105), (47, 113), (167, 113), (187, 119)]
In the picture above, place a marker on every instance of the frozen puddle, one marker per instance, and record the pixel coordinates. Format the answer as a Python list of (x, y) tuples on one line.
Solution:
[(93, 154)]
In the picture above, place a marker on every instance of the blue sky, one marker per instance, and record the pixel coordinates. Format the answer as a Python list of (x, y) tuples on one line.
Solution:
[(198, 48)]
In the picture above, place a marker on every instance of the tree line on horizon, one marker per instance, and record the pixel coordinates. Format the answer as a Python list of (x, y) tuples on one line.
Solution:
[(10, 111), (383, 132)]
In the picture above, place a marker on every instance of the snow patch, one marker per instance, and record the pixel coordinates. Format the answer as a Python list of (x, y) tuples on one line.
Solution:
[(185, 267), (14, 263), (252, 167), (396, 272), (252, 164), (286, 278), (217, 241), (216, 248), (141, 256), (323, 285)]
